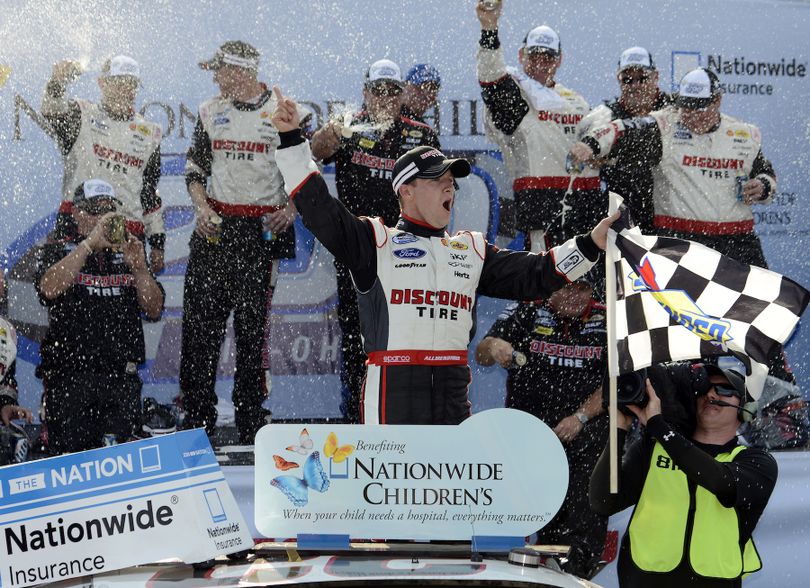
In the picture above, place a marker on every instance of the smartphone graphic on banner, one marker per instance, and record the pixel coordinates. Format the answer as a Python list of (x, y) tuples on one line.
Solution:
[(215, 507)]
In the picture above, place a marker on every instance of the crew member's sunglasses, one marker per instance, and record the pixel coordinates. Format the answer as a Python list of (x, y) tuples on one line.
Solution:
[(381, 90), (642, 79), (98, 208), (725, 390)]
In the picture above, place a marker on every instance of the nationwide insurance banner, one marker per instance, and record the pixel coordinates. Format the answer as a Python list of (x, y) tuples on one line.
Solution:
[(318, 53), (106, 509)]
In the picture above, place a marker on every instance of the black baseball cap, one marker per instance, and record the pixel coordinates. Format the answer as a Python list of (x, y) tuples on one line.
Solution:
[(698, 89), (429, 163)]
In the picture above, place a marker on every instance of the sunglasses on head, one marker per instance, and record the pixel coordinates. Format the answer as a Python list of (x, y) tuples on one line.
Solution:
[(381, 90), (642, 79)]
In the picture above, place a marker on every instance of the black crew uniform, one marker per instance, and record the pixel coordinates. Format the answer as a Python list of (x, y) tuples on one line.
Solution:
[(565, 363), (91, 352), (363, 167)]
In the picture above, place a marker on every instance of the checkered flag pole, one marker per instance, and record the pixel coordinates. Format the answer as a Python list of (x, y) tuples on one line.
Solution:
[(676, 299)]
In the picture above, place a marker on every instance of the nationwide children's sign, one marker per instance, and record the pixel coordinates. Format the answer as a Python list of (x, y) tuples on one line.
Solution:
[(111, 508), (501, 473)]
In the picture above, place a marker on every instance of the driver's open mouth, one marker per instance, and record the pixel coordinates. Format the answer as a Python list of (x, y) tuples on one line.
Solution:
[(448, 204)]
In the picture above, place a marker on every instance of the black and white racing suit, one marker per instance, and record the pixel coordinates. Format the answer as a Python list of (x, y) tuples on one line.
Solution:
[(535, 126), (695, 177), (233, 154), (363, 167), (123, 150), (417, 289)]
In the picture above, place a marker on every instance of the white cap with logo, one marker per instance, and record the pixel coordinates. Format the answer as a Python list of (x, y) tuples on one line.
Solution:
[(384, 70), (121, 65), (636, 57), (698, 88), (542, 39)]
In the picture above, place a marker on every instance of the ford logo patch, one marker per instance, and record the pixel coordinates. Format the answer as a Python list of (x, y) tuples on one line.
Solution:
[(409, 253), (402, 238)]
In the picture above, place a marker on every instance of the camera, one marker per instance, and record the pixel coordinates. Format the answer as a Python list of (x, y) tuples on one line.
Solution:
[(677, 384)]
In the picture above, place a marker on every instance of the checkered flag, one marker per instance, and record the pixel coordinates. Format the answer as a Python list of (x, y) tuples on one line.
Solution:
[(677, 299)]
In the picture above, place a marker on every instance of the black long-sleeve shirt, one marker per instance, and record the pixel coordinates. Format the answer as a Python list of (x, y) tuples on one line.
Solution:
[(744, 484)]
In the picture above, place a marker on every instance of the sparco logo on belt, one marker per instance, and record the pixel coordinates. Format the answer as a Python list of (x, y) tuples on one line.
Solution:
[(397, 359)]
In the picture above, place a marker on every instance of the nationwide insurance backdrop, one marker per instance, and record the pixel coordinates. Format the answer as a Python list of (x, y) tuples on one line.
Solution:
[(317, 51)]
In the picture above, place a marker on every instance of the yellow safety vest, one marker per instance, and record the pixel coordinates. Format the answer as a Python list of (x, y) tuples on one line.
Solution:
[(660, 526)]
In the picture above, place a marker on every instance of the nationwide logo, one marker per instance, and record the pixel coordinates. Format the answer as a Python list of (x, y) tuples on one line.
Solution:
[(403, 238), (680, 306), (56, 533), (410, 253), (741, 66)]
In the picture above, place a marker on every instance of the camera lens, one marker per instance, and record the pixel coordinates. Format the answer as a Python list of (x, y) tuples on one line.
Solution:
[(631, 388)]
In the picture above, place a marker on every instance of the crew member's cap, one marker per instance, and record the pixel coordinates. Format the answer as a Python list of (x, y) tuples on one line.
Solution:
[(236, 53), (422, 73), (636, 57), (91, 191), (121, 65), (426, 162), (735, 379), (384, 71), (542, 39), (698, 89)]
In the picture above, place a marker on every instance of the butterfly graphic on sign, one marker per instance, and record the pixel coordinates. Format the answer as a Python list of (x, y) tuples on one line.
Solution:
[(337, 454), (284, 465), (297, 489), (305, 443)]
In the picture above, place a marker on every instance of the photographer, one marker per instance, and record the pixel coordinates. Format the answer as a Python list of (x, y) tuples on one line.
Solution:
[(95, 285), (697, 497)]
